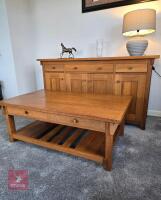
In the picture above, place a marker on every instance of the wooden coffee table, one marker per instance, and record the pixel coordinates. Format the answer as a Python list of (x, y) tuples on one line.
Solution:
[(84, 125)]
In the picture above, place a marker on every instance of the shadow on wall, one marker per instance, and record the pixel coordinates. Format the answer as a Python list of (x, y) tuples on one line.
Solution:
[(1, 96), (117, 42)]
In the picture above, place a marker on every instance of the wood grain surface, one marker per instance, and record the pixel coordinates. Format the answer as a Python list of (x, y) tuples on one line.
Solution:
[(95, 106)]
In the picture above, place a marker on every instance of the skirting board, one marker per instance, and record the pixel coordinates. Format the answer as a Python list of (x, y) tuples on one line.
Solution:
[(154, 113)]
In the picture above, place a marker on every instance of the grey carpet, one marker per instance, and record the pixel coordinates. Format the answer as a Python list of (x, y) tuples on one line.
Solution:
[(136, 173)]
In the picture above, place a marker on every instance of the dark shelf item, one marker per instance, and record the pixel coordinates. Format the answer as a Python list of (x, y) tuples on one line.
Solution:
[(1, 95)]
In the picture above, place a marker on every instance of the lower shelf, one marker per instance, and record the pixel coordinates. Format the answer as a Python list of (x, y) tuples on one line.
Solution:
[(78, 142)]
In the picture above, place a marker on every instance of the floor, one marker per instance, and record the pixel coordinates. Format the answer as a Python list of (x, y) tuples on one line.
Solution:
[(136, 173)]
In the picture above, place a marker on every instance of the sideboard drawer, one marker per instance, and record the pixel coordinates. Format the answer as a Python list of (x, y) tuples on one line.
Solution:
[(59, 119), (91, 68), (54, 67), (131, 67)]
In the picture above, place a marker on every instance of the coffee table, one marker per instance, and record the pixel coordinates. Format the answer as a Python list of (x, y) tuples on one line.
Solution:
[(84, 125)]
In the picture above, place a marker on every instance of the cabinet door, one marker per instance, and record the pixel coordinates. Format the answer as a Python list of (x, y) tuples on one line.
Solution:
[(100, 83), (55, 81), (90, 83), (76, 82), (133, 85)]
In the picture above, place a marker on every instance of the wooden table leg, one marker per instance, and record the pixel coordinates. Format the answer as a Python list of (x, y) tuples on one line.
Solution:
[(121, 131), (11, 127), (109, 140)]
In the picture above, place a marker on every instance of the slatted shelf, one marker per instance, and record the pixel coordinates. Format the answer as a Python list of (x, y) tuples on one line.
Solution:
[(36, 129), (79, 142)]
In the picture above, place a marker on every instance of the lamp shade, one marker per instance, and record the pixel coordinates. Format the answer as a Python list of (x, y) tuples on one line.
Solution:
[(139, 22)]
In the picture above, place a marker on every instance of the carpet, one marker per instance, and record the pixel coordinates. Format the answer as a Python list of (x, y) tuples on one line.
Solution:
[(136, 173)]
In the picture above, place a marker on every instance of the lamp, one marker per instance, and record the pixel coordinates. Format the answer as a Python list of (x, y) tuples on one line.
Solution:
[(136, 24)]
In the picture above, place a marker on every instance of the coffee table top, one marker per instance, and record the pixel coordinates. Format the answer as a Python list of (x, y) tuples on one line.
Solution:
[(95, 106)]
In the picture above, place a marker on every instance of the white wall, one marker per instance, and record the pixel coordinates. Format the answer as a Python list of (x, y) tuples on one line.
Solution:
[(23, 43), (38, 27), (7, 70)]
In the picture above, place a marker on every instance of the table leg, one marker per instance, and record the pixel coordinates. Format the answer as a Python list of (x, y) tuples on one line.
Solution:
[(109, 140), (11, 127), (121, 131)]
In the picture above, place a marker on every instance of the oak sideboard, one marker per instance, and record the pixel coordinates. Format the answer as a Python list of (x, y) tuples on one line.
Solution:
[(125, 76)]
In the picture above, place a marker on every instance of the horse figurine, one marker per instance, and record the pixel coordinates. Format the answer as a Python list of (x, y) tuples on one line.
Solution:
[(67, 50)]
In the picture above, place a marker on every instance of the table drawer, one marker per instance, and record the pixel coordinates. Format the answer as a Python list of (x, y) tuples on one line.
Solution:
[(91, 68), (54, 67), (59, 119), (131, 67), (27, 113), (78, 122)]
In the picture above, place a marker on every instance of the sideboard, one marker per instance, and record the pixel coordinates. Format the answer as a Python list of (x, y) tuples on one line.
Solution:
[(125, 76)]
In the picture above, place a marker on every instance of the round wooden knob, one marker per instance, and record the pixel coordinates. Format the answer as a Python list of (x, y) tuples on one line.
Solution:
[(75, 121), (26, 112), (99, 68), (75, 68), (130, 68), (53, 68)]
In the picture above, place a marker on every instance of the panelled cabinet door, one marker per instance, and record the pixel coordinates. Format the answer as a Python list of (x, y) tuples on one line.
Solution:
[(90, 83), (55, 81), (76, 82), (133, 85), (100, 83)]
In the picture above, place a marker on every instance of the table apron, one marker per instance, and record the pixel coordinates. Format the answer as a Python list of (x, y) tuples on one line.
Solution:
[(74, 121)]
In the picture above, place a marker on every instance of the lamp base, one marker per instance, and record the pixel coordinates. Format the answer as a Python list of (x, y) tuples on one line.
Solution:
[(137, 47)]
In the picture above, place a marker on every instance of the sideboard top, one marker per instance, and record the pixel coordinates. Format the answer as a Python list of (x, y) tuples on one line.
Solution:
[(101, 58)]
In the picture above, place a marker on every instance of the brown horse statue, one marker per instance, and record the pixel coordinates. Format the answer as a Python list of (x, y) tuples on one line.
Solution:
[(67, 50)]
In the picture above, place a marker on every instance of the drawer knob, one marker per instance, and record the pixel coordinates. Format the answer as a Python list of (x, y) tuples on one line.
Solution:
[(53, 68), (99, 68), (75, 121), (130, 68), (75, 68), (26, 112)]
